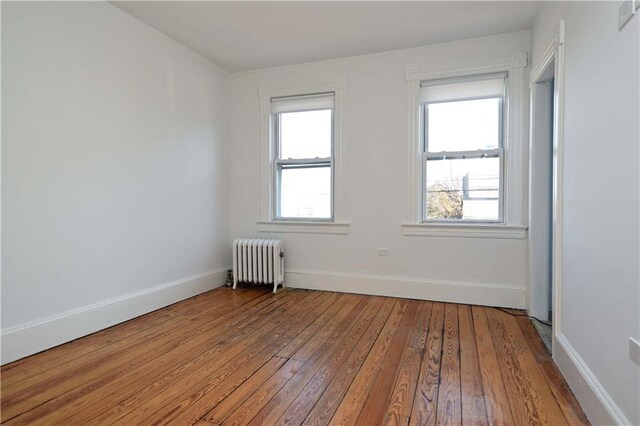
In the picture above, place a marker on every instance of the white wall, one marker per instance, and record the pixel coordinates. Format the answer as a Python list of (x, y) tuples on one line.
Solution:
[(601, 278), (490, 271), (114, 171)]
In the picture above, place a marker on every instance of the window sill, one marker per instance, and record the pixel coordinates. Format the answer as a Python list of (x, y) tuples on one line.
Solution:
[(465, 230), (339, 228)]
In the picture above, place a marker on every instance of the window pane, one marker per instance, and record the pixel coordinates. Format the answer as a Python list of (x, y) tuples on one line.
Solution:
[(466, 189), (305, 192), (305, 134), (463, 125)]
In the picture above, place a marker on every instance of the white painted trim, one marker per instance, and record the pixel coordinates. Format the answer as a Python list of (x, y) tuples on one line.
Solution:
[(338, 86), (515, 60), (413, 209), (553, 51), (36, 336), (558, 178), (485, 294), (597, 404), (465, 230), (515, 141), (304, 227)]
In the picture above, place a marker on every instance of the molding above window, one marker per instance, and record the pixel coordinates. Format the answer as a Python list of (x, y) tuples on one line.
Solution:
[(515, 60), (279, 90), (468, 230), (304, 227)]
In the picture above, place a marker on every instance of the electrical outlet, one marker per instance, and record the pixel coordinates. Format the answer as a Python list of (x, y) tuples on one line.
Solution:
[(634, 350), (383, 252), (625, 13)]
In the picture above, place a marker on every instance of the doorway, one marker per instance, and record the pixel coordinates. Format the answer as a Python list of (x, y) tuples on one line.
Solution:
[(545, 191), (541, 203)]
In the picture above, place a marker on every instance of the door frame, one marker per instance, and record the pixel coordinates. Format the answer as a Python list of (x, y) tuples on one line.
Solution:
[(554, 53)]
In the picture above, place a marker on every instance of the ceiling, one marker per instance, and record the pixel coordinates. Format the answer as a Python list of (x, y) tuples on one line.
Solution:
[(241, 35)]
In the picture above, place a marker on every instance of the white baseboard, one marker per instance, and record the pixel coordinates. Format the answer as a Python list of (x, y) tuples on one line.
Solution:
[(593, 398), (508, 296), (28, 339)]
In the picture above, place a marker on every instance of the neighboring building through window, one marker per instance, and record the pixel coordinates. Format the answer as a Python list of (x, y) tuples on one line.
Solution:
[(463, 151), (303, 134)]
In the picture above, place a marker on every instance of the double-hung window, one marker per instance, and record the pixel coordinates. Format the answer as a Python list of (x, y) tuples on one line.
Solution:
[(462, 149), (303, 159)]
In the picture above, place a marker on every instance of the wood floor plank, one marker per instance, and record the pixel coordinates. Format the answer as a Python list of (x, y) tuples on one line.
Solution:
[(353, 401), (394, 419), (519, 397), (249, 410), (100, 372), (345, 313), (425, 402), (495, 393), (375, 406), (236, 398), (250, 407), (539, 404), (217, 387), (115, 343), (174, 346), (404, 389), (104, 343), (206, 372), (296, 357), (302, 404), (473, 406), (235, 329), (272, 411), (420, 330), (449, 395), (561, 391), (327, 404), (118, 345), (78, 402), (298, 343), (406, 383), (76, 348), (208, 403)]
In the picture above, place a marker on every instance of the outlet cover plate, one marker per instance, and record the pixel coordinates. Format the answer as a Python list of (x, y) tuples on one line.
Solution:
[(383, 252)]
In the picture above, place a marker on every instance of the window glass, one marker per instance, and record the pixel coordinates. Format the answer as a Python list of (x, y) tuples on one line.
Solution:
[(463, 188), (305, 134), (305, 192), (463, 125)]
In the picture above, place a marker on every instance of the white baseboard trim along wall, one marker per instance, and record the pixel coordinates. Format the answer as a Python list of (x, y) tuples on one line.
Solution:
[(28, 339), (472, 293), (593, 398)]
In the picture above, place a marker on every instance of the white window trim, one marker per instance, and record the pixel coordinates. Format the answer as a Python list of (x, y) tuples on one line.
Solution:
[(268, 222), (470, 230), (304, 227), (515, 155)]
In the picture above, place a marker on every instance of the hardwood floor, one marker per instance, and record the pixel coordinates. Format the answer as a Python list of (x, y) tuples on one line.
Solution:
[(297, 357)]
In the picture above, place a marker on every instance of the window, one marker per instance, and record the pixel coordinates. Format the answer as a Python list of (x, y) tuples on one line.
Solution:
[(462, 149), (303, 161)]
